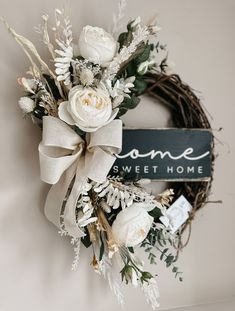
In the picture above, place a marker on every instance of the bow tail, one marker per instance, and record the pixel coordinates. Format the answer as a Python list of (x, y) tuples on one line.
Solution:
[(70, 221), (56, 196), (61, 210)]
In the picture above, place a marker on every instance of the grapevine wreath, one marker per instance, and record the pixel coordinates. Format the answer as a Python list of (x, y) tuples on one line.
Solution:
[(78, 100)]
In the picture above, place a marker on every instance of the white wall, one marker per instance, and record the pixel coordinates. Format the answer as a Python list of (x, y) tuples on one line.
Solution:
[(34, 261)]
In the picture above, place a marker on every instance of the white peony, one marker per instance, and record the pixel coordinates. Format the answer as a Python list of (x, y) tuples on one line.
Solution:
[(96, 45), (132, 225), (26, 104), (87, 108)]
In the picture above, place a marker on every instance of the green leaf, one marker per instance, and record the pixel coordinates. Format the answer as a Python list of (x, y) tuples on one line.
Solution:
[(131, 69), (147, 275), (131, 103), (164, 253), (155, 213), (122, 38), (170, 257), (79, 131), (86, 239), (140, 86), (52, 86), (39, 112), (101, 248), (131, 249), (128, 103), (122, 111), (129, 28), (144, 55)]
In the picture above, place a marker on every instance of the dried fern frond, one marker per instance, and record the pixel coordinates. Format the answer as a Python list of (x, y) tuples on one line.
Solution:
[(115, 194), (64, 38), (43, 31)]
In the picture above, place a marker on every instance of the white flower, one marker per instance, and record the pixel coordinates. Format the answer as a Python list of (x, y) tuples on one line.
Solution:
[(118, 100), (120, 89), (26, 104), (96, 45), (132, 225), (145, 66), (86, 77), (122, 86), (88, 108), (85, 216), (136, 22)]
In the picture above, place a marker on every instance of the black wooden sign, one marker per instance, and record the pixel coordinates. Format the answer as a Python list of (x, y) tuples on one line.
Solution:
[(165, 154)]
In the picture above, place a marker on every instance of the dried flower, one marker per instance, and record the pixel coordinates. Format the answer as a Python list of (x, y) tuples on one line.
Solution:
[(96, 265), (112, 247), (86, 77), (26, 104), (28, 84)]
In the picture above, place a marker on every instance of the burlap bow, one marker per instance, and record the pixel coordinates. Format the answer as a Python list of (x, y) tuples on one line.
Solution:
[(67, 160)]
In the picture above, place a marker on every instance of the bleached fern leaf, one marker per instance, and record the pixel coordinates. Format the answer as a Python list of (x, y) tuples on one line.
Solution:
[(65, 50), (115, 194), (77, 244)]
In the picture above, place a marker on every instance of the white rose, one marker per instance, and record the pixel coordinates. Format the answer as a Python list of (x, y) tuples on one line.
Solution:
[(132, 225), (26, 104), (87, 108), (96, 45)]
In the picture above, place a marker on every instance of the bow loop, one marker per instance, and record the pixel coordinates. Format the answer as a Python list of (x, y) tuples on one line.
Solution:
[(59, 149), (108, 137), (102, 147)]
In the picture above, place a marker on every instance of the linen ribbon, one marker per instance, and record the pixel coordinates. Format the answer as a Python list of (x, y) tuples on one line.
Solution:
[(66, 160)]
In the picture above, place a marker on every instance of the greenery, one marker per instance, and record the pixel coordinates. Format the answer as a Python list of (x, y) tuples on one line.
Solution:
[(157, 241)]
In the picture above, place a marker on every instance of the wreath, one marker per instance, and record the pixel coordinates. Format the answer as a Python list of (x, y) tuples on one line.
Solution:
[(78, 105)]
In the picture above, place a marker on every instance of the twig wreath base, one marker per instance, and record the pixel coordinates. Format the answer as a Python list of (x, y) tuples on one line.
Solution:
[(186, 112)]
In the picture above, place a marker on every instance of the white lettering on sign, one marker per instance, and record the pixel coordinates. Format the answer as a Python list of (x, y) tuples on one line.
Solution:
[(153, 168), (135, 154)]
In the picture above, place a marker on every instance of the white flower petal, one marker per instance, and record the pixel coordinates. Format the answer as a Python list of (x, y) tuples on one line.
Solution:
[(64, 114)]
